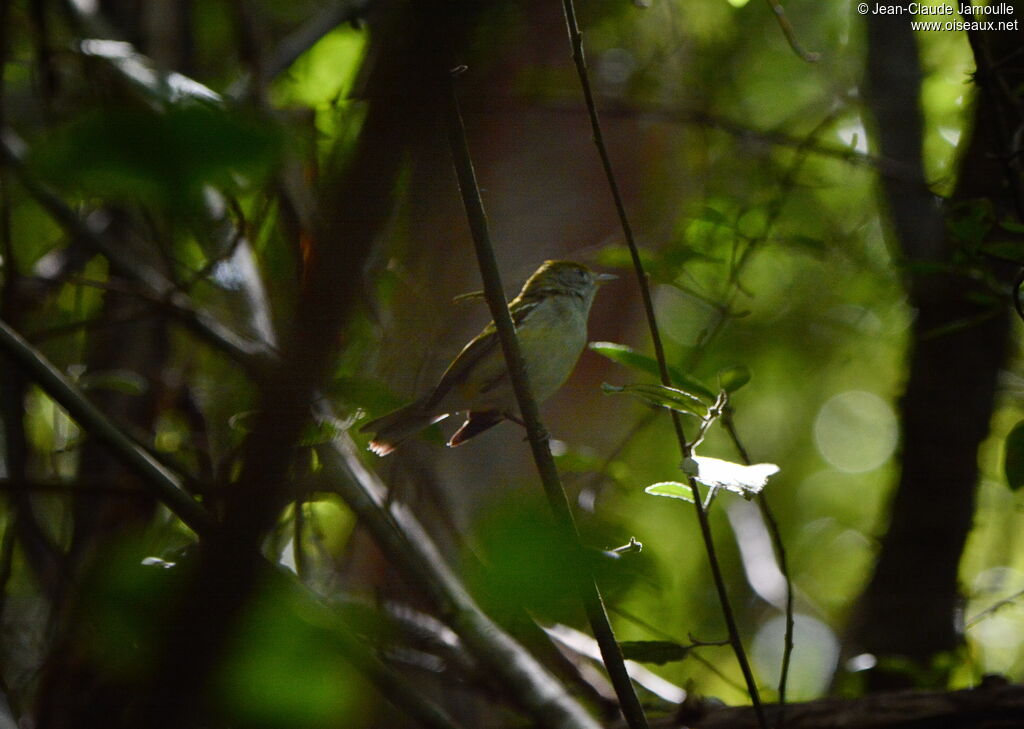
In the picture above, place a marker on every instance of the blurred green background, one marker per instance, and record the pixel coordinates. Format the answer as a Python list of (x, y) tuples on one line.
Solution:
[(752, 180)]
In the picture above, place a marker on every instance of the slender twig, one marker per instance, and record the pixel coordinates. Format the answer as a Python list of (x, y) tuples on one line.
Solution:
[(154, 285), (992, 609), (165, 485), (654, 630), (787, 30), (298, 531), (746, 134), (536, 434), (786, 184), (576, 42), (780, 552)]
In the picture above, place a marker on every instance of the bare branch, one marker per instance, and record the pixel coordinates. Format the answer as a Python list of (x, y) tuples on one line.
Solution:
[(165, 485), (536, 434)]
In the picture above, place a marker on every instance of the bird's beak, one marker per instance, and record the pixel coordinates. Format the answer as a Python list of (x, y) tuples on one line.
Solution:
[(605, 277)]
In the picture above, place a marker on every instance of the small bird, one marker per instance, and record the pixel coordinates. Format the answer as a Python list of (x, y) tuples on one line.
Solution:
[(550, 315)]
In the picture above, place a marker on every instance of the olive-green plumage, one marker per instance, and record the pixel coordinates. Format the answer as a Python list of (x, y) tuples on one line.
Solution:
[(550, 315)]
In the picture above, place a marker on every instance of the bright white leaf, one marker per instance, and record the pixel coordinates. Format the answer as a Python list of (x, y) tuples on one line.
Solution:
[(747, 481)]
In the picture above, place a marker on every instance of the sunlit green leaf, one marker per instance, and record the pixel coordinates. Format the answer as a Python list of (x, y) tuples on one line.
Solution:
[(324, 73), (671, 489), (629, 357), (661, 396)]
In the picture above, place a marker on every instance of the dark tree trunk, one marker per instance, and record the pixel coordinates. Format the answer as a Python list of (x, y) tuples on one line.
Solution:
[(959, 343)]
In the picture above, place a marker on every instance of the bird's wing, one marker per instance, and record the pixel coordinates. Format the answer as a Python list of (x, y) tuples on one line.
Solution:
[(483, 345)]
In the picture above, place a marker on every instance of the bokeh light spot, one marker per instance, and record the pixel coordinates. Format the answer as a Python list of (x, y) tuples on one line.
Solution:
[(856, 431)]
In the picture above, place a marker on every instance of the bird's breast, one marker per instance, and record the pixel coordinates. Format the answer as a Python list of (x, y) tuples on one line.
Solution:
[(551, 344)]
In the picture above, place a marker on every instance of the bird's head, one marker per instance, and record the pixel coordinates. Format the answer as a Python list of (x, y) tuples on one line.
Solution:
[(564, 278)]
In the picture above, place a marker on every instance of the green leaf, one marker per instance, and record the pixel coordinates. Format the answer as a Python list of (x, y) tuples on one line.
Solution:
[(1013, 460), (805, 243), (629, 357), (163, 158), (324, 73), (671, 489), (681, 254), (123, 381), (1012, 250), (658, 652), (747, 481), (661, 396), (733, 378), (713, 216)]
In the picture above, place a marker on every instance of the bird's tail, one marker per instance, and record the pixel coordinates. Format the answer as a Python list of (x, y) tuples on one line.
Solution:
[(399, 425)]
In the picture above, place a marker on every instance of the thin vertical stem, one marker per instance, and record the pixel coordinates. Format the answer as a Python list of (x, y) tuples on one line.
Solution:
[(537, 436), (576, 42), (780, 551), (298, 531)]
